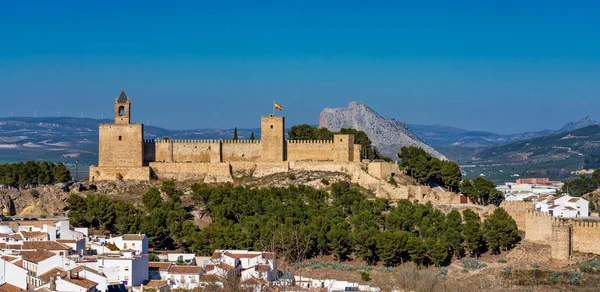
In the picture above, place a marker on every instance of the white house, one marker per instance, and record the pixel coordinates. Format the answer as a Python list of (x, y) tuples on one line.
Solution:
[(564, 206), (137, 242), (184, 277), (70, 281), (128, 268), (93, 275), (13, 275), (158, 270)]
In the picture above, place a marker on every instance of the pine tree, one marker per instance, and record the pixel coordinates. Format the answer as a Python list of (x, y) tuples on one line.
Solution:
[(235, 135), (252, 136)]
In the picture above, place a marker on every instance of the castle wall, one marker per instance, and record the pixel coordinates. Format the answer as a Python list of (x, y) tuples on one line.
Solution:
[(121, 145), (209, 172), (196, 151), (110, 173), (538, 227), (240, 150), (586, 237), (518, 211), (561, 240), (380, 170), (356, 153), (303, 150)]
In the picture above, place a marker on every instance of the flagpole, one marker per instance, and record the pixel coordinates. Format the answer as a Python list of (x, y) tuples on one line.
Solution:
[(273, 108)]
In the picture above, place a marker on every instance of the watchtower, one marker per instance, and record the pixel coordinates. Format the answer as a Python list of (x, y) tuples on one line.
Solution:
[(122, 109), (272, 139)]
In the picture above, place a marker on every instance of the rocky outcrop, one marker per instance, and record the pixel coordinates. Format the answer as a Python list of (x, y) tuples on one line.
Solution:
[(388, 135)]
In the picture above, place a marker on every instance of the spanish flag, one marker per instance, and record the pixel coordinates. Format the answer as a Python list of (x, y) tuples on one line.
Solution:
[(278, 106)]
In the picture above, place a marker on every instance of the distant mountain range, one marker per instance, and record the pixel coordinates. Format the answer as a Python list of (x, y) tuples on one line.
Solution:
[(67, 139)]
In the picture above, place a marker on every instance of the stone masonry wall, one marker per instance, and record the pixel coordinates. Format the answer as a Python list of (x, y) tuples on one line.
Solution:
[(121, 145), (108, 173), (210, 172), (586, 237), (518, 211), (302, 150), (538, 227), (240, 150)]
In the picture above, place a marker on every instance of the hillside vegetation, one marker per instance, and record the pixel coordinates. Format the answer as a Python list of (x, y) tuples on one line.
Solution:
[(299, 222)]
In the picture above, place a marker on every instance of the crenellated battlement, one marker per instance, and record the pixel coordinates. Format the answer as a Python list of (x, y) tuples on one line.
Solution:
[(166, 141), (310, 141), (241, 141)]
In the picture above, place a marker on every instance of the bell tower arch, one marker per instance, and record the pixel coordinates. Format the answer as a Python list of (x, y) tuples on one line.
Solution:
[(122, 109)]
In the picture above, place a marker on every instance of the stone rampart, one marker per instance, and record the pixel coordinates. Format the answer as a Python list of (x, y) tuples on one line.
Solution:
[(209, 172), (240, 150), (518, 211), (538, 227), (586, 237), (380, 170), (108, 173), (304, 150)]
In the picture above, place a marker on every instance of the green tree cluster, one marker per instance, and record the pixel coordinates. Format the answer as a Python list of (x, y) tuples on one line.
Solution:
[(427, 169), (583, 185), (298, 222), (308, 132), (481, 191), (33, 173)]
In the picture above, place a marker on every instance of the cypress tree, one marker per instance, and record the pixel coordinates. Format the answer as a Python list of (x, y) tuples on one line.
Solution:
[(252, 136), (235, 135)]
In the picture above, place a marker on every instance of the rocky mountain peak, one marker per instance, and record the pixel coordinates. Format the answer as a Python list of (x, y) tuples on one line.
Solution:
[(570, 126), (388, 135)]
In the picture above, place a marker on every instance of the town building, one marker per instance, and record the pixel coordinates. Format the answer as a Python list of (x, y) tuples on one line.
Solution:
[(563, 206)]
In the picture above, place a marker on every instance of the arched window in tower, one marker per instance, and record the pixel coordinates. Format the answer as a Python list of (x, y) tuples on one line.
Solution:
[(121, 111)]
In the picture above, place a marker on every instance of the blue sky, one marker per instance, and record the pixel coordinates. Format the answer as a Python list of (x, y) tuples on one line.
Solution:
[(502, 66)]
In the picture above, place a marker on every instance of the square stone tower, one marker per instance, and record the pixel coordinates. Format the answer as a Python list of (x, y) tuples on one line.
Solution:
[(272, 139), (343, 148), (121, 144)]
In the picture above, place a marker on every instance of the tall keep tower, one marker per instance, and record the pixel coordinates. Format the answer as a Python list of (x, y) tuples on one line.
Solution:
[(122, 109), (272, 139)]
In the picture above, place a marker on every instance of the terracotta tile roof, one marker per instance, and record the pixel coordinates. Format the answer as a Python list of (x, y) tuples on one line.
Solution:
[(87, 269), (66, 240), (3, 245), (569, 208), (37, 256), (47, 245), (156, 284), (9, 258), (10, 288), (43, 289), (209, 267), (159, 266), (45, 277), (553, 206), (241, 255), (133, 236), (185, 270), (226, 267), (4, 235), (34, 234), (210, 278), (216, 256), (16, 236), (37, 223), (258, 268), (254, 281), (76, 280), (573, 200), (18, 263)]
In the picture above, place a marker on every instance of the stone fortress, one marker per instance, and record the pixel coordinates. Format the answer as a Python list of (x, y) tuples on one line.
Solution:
[(564, 236), (125, 155)]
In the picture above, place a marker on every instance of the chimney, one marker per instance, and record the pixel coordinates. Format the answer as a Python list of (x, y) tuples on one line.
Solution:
[(69, 274)]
